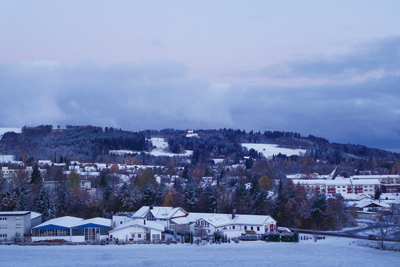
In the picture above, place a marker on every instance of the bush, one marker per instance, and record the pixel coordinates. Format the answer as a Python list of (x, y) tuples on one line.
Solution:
[(272, 237)]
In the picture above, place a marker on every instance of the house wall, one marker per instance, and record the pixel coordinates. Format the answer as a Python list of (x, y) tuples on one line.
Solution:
[(36, 221), (209, 228), (11, 224), (125, 234)]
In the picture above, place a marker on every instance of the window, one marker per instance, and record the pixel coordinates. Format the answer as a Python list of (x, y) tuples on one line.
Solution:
[(18, 226), (3, 227), (18, 218), (245, 228), (139, 235), (258, 228), (251, 228), (150, 217), (156, 237), (233, 227)]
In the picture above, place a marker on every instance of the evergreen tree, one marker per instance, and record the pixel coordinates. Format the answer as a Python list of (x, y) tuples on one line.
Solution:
[(254, 188), (132, 199), (22, 202), (36, 175), (149, 195), (378, 193), (191, 196), (45, 205), (160, 194), (212, 194), (318, 209)]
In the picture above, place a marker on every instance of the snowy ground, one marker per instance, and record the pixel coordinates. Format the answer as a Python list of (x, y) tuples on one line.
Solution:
[(160, 150), (270, 149), (332, 251)]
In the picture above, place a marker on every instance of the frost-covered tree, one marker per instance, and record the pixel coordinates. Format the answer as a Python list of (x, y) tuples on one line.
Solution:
[(212, 195), (190, 196), (9, 201), (318, 209), (132, 199), (45, 205), (149, 195), (36, 175), (22, 202), (161, 193)]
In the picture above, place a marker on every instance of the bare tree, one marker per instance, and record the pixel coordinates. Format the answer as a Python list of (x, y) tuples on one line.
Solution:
[(385, 221)]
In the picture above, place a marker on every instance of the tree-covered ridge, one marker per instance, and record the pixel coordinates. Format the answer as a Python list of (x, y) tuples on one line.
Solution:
[(86, 143), (226, 142)]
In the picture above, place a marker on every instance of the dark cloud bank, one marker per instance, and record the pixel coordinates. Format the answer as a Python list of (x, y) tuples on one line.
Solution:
[(358, 100)]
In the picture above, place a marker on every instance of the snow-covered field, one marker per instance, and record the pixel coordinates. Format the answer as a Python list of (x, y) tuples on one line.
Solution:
[(270, 149), (160, 150), (332, 251)]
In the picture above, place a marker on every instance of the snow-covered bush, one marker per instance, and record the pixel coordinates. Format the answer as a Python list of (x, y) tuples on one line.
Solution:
[(272, 236)]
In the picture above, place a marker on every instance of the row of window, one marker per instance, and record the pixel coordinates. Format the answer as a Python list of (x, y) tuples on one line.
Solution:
[(3, 227), (51, 232), (3, 235), (251, 228), (138, 235), (203, 223), (3, 218)]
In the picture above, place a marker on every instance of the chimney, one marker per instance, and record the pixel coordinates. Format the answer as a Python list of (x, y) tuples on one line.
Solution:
[(233, 215), (151, 207)]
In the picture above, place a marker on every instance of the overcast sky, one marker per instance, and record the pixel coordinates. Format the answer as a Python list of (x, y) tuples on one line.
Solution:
[(326, 68)]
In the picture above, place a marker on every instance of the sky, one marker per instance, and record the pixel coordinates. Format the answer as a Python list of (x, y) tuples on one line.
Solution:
[(326, 68)]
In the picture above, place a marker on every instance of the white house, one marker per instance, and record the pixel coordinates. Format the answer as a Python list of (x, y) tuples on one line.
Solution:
[(235, 225), (161, 215), (137, 230)]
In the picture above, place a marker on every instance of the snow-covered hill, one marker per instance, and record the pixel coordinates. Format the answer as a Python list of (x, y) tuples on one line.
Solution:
[(270, 149)]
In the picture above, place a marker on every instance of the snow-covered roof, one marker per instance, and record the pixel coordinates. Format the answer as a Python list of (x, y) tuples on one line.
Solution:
[(65, 222), (35, 215), (354, 197), (364, 203), (215, 219), (97, 221), (390, 196), (158, 212), (220, 220), (141, 223), (252, 219), (383, 176), (181, 220), (310, 182)]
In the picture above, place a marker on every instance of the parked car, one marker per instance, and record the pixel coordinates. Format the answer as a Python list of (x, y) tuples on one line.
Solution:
[(283, 230), (373, 237)]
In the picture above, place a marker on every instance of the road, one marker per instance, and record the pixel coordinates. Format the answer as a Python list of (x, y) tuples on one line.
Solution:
[(352, 233)]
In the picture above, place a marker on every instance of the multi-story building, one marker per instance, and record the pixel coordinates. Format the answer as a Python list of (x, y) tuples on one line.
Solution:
[(18, 224)]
